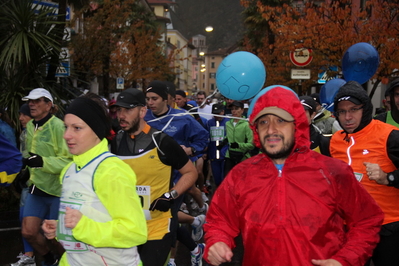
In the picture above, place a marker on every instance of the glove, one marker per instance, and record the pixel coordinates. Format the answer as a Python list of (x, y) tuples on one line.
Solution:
[(234, 145), (219, 147), (163, 203), (34, 161), (222, 144)]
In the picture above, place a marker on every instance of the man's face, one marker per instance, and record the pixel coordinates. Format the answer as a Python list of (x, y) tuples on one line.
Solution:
[(309, 116), (218, 118), (39, 108), (200, 99), (180, 101), (155, 102), (387, 103), (129, 118), (396, 96), (276, 136), (349, 115)]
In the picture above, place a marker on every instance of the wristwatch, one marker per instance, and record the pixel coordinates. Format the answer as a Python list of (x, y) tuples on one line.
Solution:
[(167, 195), (391, 179), (193, 150), (174, 194)]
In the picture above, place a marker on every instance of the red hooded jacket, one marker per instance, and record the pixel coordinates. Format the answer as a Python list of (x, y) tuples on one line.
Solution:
[(291, 216)]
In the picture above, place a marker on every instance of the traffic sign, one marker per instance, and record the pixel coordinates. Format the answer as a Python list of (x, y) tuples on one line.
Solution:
[(52, 5), (301, 57), (323, 77), (300, 73), (63, 70), (120, 83)]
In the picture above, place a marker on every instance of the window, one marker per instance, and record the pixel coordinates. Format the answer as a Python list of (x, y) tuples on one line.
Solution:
[(212, 64), (212, 75), (212, 86)]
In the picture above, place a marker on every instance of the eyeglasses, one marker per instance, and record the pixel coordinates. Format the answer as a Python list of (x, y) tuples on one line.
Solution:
[(350, 111)]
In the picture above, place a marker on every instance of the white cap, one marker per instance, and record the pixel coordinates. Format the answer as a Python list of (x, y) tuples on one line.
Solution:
[(38, 93)]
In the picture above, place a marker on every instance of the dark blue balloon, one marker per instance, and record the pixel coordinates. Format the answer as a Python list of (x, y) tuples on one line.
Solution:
[(360, 62), (328, 92), (240, 76)]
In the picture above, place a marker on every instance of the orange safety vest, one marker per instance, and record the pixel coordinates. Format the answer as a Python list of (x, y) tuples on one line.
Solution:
[(370, 145)]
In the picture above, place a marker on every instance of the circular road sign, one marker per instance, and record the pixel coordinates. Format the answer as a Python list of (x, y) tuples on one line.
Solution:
[(301, 57)]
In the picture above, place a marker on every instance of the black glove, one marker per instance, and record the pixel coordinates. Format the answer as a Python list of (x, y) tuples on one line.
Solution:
[(219, 147), (34, 161), (163, 203), (234, 145)]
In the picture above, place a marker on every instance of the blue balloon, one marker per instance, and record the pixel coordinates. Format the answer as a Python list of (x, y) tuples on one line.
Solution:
[(360, 62), (262, 92), (328, 92), (240, 76)]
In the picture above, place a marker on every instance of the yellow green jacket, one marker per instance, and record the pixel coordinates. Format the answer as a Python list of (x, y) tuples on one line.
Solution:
[(114, 182), (48, 142)]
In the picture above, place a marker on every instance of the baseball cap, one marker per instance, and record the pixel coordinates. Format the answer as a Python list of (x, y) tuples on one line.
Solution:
[(351, 99), (159, 88), (37, 94), (274, 110), (130, 98), (217, 108), (237, 103), (308, 103)]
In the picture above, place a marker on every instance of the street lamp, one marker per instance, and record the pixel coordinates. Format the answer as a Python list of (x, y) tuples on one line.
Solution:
[(202, 53), (209, 29)]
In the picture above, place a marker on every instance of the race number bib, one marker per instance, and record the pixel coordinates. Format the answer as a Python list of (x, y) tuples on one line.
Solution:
[(64, 234), (217, 133)]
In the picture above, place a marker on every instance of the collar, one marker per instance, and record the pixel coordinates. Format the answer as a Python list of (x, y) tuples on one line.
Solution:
[(145, 130), (41, 121), (83, 159)]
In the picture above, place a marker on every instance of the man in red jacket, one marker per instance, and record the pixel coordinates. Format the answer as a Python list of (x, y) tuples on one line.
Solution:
[(290, 203)]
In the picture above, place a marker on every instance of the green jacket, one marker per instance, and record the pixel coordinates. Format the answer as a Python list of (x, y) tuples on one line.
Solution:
[(240, 133), (48, 142)]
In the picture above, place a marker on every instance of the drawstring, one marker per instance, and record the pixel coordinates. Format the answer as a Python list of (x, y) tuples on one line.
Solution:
[(346, 138)]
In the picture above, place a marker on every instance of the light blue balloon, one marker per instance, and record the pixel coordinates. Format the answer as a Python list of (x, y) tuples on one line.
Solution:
[(262, 92), (328, 92), (240, 76), (360, 62)]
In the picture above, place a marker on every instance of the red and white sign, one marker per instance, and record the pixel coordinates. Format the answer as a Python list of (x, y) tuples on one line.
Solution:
[(301, 57)]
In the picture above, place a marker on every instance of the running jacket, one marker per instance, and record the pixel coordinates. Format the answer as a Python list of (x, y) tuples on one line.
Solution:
[(47, 141), (291, 216), (360, 149), (240, 133), (10, 161), (102, 187), (183, 128)]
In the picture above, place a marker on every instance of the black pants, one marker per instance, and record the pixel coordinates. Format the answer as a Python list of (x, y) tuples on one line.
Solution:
[(156, 252), (387, 251)]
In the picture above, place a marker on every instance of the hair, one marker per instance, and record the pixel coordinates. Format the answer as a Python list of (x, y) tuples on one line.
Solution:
[(201, 93), (5, 117)]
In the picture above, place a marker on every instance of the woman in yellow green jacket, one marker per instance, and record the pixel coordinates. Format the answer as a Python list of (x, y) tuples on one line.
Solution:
[(100, 220)]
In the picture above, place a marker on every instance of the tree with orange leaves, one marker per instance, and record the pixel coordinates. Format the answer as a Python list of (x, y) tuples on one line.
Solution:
[(329, 30), (119, 39)]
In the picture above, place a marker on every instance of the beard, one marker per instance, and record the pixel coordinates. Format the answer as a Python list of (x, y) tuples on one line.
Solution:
[(135, 125), (284, 151)]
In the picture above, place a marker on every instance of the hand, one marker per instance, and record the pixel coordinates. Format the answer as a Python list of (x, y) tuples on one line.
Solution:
[(49, 228), (375, 173), (34, 160), (187, 150), (219, 253), (161, 204), (72, 217), (329, 262), (234, 145)]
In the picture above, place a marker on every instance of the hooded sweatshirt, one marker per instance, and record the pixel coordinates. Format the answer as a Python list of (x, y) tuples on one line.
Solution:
[(293, 215)]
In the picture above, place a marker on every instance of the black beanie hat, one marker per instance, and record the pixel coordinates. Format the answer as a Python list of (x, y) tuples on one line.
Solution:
[(181, 93), (159, 88), (92, 114), (25, 109)]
